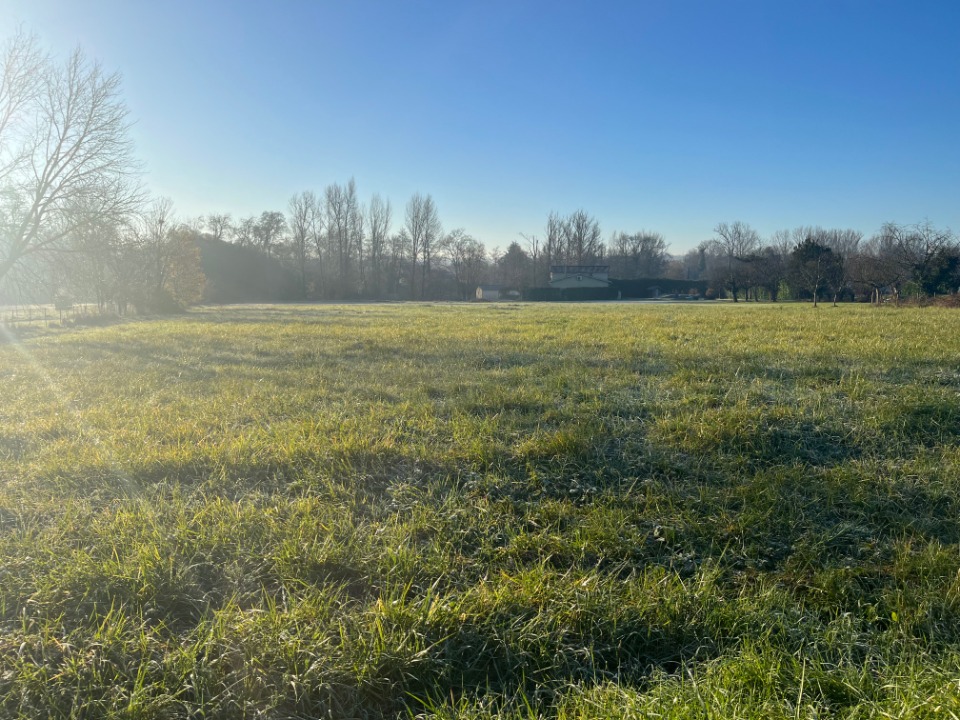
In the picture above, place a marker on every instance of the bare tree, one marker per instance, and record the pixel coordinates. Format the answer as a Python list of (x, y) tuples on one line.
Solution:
[(337, 231), (20, 87), (304, 210), (269, 229), (642, 254), (153, 235), (581, 236), (535, 251), (544, 252), (553, 246), (219, 225), (89, 268), (424, 230), (882, 263), (928, 252), (695, 261), (245, 232), (319, 239), (344, 233), (378, 230), (66, 160), (467, 258), (358, 239), (899, 254), (734, 244), (399, 255)]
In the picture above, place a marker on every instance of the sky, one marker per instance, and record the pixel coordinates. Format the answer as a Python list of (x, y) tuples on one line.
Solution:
[(664, 115)]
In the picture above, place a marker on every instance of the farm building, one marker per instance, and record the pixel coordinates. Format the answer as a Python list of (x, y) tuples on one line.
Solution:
[(488, 292), (579, 276)]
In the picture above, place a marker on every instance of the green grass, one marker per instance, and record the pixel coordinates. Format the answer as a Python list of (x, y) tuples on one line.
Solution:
[(516, 511)]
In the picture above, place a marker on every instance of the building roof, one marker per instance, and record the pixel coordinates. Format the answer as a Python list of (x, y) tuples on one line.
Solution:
[(580, 269)]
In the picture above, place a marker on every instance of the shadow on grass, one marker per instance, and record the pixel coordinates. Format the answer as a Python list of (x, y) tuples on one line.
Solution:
[(757, 438), (927, 421)]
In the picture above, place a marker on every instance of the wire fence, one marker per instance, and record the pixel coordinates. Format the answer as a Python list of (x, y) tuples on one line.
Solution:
[(33, 315)]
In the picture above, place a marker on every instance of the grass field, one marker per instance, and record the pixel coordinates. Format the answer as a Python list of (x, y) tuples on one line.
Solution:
[(517, 511)]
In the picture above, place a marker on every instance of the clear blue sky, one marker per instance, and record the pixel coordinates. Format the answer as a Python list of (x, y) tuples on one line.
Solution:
[(670, 115)]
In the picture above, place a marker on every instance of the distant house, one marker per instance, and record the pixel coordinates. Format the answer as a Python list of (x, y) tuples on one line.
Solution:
[(579, 276), (488, 292)]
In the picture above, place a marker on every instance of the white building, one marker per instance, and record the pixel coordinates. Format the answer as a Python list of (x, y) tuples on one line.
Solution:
[(488, 292), (574, 276)]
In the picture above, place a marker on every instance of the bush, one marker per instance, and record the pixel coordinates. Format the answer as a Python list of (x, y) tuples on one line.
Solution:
[(156, 302), (948, 301)]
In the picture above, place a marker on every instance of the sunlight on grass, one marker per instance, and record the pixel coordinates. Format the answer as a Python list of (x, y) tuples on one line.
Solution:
[(484, 511)]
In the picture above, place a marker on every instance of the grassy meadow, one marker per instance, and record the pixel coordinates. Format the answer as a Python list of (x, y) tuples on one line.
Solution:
[(463, 511)]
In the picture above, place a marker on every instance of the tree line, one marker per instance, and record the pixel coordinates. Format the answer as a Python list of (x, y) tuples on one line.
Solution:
[(76, 223), (338, 247), (814, 263)]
